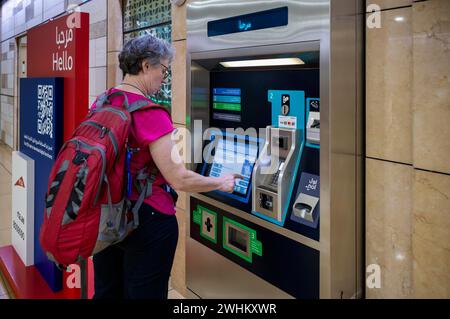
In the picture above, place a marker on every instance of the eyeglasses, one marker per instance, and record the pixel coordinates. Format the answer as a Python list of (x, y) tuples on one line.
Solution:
[(166, 72)]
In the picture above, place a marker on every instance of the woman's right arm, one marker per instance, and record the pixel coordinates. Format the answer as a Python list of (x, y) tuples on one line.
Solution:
[(180, 178)]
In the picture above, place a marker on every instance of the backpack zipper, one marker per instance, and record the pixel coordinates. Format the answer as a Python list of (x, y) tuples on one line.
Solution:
[(102, 153), (104, 130), (110, 109)]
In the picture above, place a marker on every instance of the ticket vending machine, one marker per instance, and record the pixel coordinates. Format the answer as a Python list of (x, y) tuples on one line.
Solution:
[(274, 94)]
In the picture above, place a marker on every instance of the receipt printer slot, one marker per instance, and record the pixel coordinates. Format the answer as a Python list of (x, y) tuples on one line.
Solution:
[(304, 207)]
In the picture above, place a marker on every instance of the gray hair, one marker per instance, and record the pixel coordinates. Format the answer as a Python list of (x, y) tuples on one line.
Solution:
[(146, 47)]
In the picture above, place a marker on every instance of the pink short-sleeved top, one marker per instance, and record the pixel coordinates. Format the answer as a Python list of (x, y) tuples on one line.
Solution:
[(148, 126)]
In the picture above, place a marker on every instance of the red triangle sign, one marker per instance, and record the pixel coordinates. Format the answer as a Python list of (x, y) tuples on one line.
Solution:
[(20, 182)]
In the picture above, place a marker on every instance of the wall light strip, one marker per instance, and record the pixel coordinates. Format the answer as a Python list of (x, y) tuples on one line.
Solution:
[(262, 62)]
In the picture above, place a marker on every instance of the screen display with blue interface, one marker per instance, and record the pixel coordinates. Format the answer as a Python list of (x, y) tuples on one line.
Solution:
[(233, 157)]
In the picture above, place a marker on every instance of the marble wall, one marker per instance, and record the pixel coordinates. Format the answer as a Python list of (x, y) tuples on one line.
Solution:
[(388, 231), (389, 4), (6, 119), (407, 149), (114, 42), (179, 111), (431, 235), (431, 85), (389, 88), (98, 14), (431, 149), (7, 91)]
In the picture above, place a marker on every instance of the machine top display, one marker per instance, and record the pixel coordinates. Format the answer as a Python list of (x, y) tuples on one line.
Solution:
[(249, 22)]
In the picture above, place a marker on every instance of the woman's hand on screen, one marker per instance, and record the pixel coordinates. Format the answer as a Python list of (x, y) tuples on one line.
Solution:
[(228, 181)]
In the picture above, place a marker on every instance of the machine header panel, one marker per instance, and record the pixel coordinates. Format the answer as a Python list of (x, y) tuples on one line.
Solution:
[(235, 23)]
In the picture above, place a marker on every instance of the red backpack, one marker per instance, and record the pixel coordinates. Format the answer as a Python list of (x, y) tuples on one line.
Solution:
[(87, 208)]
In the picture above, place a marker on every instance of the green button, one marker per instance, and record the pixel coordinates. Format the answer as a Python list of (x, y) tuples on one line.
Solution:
[(227, 106)]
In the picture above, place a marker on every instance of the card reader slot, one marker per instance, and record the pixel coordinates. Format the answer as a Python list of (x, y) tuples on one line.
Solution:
[(272, 190)]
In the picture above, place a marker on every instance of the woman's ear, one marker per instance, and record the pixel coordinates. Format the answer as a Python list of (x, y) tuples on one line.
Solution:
[(145, 66)]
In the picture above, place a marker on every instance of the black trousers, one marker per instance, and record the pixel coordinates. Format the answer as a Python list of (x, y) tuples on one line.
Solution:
[(139, 267)]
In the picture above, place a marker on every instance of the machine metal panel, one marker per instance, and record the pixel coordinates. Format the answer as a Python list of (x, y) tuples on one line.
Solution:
[(226, 279), (343, 138), (334, 28), (307, 21)]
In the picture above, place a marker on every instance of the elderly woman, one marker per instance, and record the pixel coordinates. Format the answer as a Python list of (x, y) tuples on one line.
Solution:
[(139, 267)]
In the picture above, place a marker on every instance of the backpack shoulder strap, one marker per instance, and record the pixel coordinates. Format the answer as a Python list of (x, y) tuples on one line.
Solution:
[(101, 99), (144, 104), (137, 105), (106, 98)]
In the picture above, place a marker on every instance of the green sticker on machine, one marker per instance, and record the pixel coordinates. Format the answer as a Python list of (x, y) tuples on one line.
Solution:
[(227, 106), (240, 240), (256, 246), (197, 215), (207, 219)]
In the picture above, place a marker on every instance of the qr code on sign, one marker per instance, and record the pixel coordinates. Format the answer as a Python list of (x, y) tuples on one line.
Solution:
[(45, 110)]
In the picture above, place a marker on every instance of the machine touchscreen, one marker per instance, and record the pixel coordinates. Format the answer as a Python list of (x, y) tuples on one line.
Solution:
[(234, 157)]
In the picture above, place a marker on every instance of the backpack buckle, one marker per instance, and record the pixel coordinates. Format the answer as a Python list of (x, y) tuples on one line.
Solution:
[(105, 130), (80, 157)]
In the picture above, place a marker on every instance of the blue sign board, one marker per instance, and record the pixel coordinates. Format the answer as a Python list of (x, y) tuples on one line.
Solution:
[(41, 131), (295, 106), (227, 91)]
